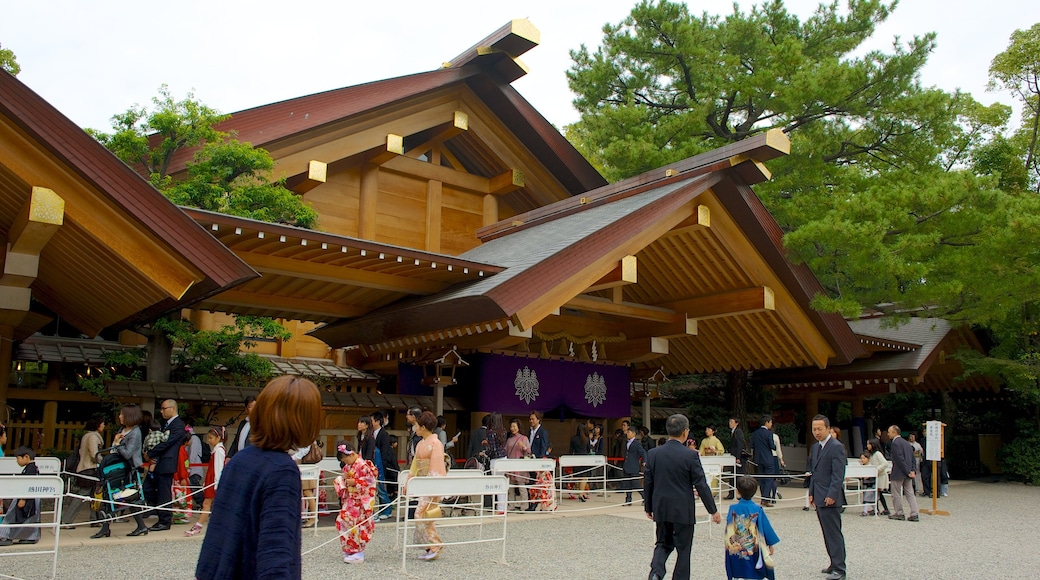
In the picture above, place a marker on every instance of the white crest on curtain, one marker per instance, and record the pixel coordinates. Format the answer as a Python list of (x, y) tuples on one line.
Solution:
[(526, 385), (595, 389)]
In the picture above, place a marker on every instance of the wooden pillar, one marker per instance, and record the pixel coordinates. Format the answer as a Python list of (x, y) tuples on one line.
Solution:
[(433, 216), (287, 348), (812, 408), (490, 210), (50, 408), (646, 412), (438, 400), (859, 435), (368, 197), (6, 348)]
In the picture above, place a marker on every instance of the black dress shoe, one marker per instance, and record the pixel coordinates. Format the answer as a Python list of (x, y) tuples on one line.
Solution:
[(827, 570), (835, 576), (142, 531), (102, 533), (531, 508), (159, 528)]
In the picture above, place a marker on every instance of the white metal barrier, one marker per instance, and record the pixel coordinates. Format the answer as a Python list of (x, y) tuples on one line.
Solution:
[(727, 479), (507, 466), (36, 487), (46, 465), (459, 485), (584, 467), (859, 473)]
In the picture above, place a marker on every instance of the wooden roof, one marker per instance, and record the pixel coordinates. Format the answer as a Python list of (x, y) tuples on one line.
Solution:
[(483, 72), (690, 228), (123, 253), (910, 357), (319, 277)]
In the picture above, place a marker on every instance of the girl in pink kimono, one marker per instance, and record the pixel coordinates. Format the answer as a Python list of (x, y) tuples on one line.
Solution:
[(356, 489)]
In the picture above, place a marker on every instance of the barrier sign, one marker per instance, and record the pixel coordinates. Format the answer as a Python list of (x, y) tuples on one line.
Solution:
[(46, 465), (36, 487), (510, 465)]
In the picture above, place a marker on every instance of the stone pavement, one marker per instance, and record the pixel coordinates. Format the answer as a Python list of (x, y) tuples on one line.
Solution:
[(986, 536)]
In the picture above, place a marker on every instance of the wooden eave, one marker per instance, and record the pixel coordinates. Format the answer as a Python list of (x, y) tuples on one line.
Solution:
[(124, 253), (319, 277), (927, 369)]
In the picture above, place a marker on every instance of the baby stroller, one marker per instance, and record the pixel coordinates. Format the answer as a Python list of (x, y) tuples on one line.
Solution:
[(119, 482)]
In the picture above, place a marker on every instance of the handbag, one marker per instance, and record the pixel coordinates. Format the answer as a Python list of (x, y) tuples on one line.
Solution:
[(433, 511), (314, 454)]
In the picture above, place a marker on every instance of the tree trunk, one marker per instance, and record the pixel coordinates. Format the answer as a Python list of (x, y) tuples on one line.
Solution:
[(736, 391), (158, 366)]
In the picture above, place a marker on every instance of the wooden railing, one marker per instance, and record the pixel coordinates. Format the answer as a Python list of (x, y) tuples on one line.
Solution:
[(63, 437)]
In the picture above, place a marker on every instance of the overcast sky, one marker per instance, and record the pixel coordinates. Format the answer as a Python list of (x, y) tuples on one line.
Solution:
[(94, 59)]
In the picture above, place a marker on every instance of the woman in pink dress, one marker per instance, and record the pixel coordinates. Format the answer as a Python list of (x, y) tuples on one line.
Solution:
[(518, 447), (356, 489)]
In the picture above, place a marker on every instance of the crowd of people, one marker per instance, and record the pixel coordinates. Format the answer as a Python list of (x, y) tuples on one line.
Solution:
[(255, 521)]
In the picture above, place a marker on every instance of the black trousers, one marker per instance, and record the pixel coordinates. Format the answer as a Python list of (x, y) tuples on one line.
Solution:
[(833, 539), (673, 536), (164, 495)]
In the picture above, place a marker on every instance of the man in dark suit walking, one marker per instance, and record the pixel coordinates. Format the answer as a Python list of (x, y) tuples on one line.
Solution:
[(902, 477), (635, 457), (672, 472), (241, 438), (827, 495), (165, 455), (736, 445), (762, 448), (386, 464)]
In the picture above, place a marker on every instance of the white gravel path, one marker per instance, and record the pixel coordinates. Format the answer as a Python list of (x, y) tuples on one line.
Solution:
[(987, 535)]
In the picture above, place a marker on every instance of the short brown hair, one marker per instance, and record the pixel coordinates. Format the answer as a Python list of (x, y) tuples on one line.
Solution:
[(287, 415), (132, 415), (427, 420)]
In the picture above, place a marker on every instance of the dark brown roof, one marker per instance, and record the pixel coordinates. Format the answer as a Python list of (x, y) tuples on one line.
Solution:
[(117, 188)]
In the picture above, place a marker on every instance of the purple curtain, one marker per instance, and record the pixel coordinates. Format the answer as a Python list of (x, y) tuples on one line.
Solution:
[(518, 385)]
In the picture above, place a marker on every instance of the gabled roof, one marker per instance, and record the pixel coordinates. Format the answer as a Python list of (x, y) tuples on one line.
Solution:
[(124, 252), (550, 252), (918, 361), (486, 69)]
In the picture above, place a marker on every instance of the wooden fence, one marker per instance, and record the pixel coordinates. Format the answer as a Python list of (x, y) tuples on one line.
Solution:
[(32, 434)]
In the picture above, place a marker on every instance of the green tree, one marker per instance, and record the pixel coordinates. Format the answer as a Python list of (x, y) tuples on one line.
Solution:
[(1017, 70), (8, 61), (226, 175)]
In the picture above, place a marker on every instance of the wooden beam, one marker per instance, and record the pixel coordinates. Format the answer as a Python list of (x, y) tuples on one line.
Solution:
[(745, 301), (624, 274), (638, 350), (393, 148), (700, 219), (441, 133), (38, 220), (316, 174), (266, 264), (750, 170), (624, 309), (459, 179), (503, 183), (677, 329), (246, 299)]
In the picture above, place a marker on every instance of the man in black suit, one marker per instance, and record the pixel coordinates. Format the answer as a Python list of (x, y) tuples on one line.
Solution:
[(672, 472), (635, 457), (387, 464), (540, 446), (828, 474), (762, 448), (736, 446), (241, 439), (165, 455), (902, 478)]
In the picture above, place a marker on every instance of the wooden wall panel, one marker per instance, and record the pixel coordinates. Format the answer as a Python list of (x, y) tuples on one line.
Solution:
[(401, 211), (457, 234), (336, 202)]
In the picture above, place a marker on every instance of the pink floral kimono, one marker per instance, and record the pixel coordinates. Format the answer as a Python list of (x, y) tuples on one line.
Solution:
[(356, 489)]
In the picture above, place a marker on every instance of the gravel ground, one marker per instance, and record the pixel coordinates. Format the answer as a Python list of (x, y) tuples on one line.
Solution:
[(597, 540)]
